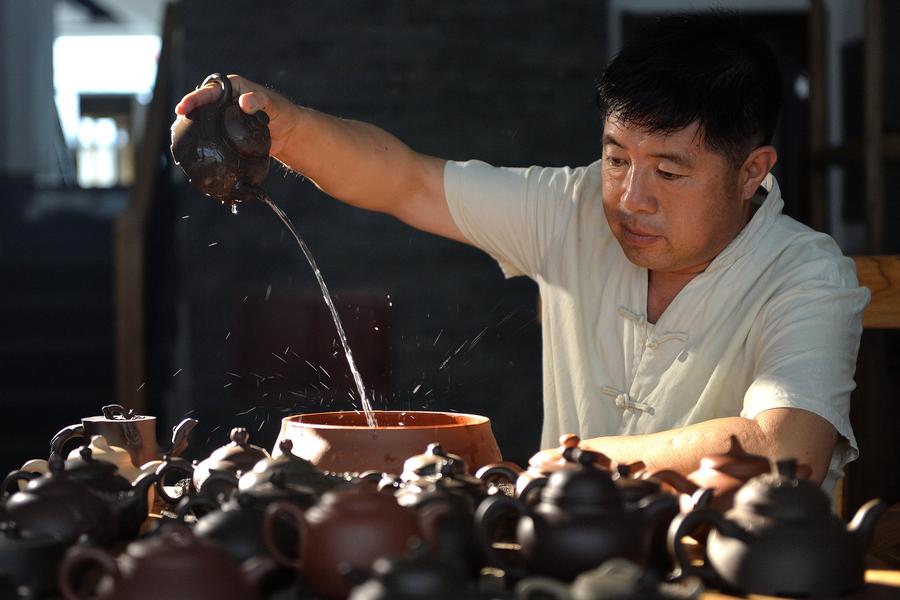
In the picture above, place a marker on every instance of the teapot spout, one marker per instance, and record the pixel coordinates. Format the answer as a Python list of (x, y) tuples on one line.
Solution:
[(863, 524)]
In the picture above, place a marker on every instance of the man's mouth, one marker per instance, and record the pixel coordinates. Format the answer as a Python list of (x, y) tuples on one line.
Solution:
[(638, 237)]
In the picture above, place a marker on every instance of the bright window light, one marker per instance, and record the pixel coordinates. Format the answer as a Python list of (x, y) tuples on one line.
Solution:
[(101, 64)]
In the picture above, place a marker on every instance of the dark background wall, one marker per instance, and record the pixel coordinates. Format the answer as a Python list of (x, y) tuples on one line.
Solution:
[(433, 323)]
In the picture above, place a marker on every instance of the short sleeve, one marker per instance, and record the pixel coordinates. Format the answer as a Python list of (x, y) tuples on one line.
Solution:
[(806, 349), (513, 214)]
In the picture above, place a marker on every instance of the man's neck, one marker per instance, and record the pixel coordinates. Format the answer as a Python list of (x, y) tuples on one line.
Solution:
[(662, 288)]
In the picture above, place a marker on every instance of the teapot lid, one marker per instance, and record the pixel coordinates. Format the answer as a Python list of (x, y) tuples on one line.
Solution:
[(295, 470), (434, 461), (239, 450), (783, 496), (583, 487)]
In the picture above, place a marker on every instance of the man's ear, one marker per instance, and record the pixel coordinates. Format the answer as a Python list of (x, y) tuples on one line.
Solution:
[(755, 168)]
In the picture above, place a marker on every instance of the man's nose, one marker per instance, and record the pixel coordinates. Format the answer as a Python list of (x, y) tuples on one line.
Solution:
[(638, 195)]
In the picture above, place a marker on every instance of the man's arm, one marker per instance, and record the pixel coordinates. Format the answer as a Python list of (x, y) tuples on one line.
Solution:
[(776, 433), (352, 161)]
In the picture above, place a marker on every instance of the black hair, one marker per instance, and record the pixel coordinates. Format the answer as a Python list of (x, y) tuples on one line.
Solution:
[(703, 67)]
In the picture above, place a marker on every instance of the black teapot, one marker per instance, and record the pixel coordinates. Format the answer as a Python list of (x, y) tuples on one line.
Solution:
[(223, 151), (616, 579), (419, 577), (580, 521), (217, 476), (290, 470), (28, 562), (780, 539)]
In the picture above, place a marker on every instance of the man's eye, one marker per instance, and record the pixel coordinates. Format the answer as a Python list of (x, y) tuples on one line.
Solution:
[(616, 162), (669, 176)]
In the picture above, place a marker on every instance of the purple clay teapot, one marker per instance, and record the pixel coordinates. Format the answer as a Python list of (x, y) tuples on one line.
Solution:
[(348, 528), (62, 506), (529, 482), (173, 564), (218, 475), (780, 539), (418, 577), (580, 521), (223, 151)]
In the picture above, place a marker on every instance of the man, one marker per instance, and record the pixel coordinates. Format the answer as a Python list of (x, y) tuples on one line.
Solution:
[(679, 306)]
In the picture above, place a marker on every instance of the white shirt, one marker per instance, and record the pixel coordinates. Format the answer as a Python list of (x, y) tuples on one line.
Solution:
[(774, 321)]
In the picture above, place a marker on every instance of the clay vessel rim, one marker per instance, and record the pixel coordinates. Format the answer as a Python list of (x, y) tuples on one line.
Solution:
[(326, 420), (102, 419)]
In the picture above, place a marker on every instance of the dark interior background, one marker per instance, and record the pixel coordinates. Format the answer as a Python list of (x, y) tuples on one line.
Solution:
[(237, 333)]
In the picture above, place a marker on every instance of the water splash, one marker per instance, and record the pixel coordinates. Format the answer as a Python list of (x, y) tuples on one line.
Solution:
[(367, 407)]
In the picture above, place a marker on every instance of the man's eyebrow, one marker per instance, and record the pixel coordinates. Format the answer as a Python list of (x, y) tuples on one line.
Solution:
[(608, 139), (678, 158)]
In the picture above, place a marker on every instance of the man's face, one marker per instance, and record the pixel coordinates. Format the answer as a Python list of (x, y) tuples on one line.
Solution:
[(672, 204)]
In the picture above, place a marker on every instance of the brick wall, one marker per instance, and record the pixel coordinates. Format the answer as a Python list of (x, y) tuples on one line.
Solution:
[(509, 82)]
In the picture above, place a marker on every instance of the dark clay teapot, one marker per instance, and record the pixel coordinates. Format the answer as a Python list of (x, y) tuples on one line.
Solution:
[(291, 471), (28, 562), (419, 577), (780, 539), (60, 506), (348, 528), (238, 524), (223, 151), (616, 579), (456, 495), (580, 521), (216, 476), (123, 428), (173, 564), (527, 484)]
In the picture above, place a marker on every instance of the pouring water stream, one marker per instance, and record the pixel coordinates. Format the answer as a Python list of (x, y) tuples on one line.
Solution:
[(366, 405)]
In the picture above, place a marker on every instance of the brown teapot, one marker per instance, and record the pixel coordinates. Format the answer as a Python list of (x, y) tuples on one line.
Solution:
[(123, 428), (347, 528), (223, 151), (173, 564), (781, 538), (580, 521), (724, 474), (529, 482)]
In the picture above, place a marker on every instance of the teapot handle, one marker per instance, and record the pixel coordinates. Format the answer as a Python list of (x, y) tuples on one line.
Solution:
[(503, 473), (64, 435), (74, 562), (491, 513), (685, 524), (543, 587), (11, 482), (294, 513), (222, 80), (170, 464)]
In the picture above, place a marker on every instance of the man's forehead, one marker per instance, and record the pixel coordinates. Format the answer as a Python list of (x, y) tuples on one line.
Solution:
[(628, 135)]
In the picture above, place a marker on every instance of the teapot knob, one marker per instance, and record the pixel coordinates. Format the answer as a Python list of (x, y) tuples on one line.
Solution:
[(569, 440), (240, 436), (286, 446)]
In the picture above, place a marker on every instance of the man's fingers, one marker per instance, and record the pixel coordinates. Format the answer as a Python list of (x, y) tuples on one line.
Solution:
[(204, 95)]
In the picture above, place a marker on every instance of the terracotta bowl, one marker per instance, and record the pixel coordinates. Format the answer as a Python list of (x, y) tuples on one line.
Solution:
[(343, 442)]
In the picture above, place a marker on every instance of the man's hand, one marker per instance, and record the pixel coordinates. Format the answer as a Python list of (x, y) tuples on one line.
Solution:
[(251, 97)]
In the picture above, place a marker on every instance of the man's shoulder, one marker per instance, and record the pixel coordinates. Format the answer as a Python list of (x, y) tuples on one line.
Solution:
[(799, 253)]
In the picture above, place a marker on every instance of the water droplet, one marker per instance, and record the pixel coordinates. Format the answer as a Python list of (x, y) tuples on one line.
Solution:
[(234, 209)]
